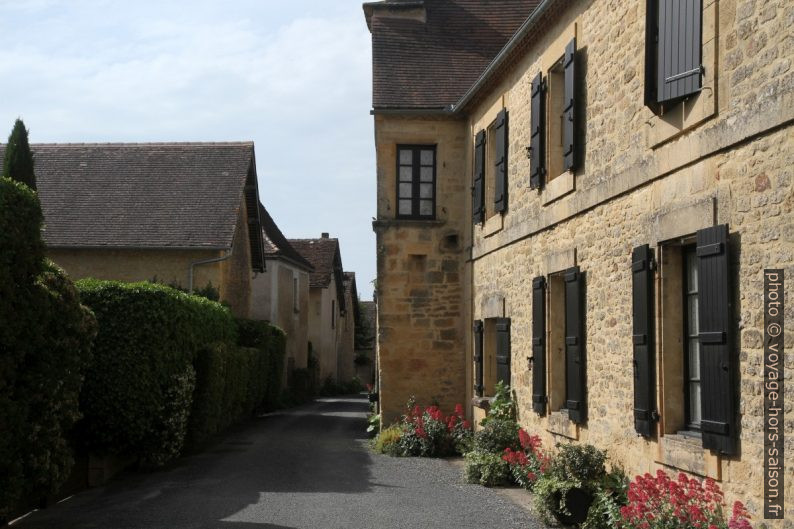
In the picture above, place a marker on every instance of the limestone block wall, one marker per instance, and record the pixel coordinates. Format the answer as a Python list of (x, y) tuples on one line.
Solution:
[(347, 345), (421, 344), (236, 273), (323, 336), (723, 157)]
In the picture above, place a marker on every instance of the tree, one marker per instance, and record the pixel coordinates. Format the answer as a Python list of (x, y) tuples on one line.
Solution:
[(18, 161)]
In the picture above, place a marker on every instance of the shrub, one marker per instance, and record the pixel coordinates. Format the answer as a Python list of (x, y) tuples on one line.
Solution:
[(138, 389), (661, 502), (388, 441), (502, 406), (486, 468), (18, 159), (604, 513), (428, 433), (496, 435), (271, 342), (527, 464), (43, 355)]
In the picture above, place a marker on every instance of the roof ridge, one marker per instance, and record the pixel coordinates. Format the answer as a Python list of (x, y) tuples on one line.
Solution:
[(146, 144)]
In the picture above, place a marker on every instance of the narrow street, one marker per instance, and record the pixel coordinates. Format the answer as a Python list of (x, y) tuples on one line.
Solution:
[(308, 468)]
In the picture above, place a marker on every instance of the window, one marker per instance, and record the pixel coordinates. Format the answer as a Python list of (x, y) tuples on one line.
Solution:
[(673, 56), (295, 300), (558, 354), (491, 354), (333, 314), (691, 339), (553, 120), (489, 189), (416, 181)]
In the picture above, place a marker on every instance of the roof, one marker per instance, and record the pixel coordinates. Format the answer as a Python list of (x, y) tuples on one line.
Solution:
[(146, 195), (426, 54), (324, 256), (276, 245)]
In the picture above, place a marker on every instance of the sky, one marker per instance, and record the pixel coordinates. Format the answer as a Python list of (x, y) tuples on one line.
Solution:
[(293, 76)]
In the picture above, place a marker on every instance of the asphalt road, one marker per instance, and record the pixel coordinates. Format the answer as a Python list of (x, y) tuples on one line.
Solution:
[(306, 468)]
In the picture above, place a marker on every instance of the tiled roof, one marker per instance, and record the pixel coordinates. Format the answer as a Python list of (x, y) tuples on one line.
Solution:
[(323, 254), (276, 245), (148, 195), (430, 63)]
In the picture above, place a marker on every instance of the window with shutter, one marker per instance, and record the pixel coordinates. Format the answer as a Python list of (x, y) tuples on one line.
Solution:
[(576, 390), (673, 58), (416, 181), (478, 187), (568, 112), (643, 340), (478, 355), (537, 151), (500, 162), (503, 350), (539, 397)]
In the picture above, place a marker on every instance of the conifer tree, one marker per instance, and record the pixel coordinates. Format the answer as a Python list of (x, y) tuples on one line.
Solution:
[(18, 161)]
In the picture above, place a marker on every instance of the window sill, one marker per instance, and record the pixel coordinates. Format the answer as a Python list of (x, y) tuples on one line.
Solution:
[(558, 423), (685, 451), (412, 223), (557, 188), (493, 225)]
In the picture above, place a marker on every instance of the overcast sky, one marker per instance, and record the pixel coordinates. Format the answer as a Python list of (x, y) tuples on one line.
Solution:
[(293, 76)]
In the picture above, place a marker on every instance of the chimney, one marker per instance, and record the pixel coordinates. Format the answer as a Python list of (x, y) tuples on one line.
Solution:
[(324, 235)]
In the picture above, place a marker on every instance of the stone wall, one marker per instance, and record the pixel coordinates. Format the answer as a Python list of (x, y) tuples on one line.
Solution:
[(723, 157), (235, 289)]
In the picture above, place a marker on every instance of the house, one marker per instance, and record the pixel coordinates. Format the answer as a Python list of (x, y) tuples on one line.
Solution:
[(615, 181), (281, 294), (179, 213), (347, 343), (326, 301)]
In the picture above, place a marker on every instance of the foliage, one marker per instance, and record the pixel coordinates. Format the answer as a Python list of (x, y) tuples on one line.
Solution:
[(373, 423), (502, 407), (138, 389), (486, 468), (331, 388), (388, 441), (429, 433), (43, 355), (271, 342), (664, 503), (496, 435), (604, 513), (363, 337), (18, 160), (527, 464)]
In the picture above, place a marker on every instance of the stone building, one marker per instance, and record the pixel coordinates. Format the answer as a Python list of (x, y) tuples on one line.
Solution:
[(327, 305), (617, 179), (179, 213), (281, 294), (347, 341)]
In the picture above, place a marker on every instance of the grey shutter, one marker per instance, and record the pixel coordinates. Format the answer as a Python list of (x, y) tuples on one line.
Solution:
[(643, 340), (568, 114), (717, 363), (539, 397), (503, 350), (478, 188), (679, 64), (575, 399), (500, 162), (478, 386), (537, 140)]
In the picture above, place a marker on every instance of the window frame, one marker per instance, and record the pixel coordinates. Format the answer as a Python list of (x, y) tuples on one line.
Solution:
[(416, 167), (689, 252)]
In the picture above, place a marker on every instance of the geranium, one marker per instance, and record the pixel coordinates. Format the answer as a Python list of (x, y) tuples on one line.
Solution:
[(526, 464), (428, 432), (662, 502)]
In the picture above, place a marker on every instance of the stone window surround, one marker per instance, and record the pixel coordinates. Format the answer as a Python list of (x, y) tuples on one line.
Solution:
[(491, 306), (493, 222), (416, 194)]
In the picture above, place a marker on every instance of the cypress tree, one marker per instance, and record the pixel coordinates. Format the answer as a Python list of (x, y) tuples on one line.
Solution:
[(18, 161)]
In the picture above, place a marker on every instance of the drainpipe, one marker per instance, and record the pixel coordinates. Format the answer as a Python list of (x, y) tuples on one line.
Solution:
[(203, 262)]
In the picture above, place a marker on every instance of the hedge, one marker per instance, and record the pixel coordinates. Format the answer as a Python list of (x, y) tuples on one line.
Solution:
[(272, 342), (139, 388), (45, 341)]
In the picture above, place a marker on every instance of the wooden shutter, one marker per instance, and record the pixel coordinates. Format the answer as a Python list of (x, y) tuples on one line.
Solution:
[(478, 385), (643, 340), (678, 59), (717, 364), (503, 350), (539, 397), (651, 47), (500, 162), (537, 141), (575, 400), (568, 113), (478, 189)]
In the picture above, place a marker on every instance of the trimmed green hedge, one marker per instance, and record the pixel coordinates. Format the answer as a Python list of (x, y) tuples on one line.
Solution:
[(45, 343), (138, 391), (272, 342)]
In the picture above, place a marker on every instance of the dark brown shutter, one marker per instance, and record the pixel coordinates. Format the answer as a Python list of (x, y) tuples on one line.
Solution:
[(478, 387), (478, 188), (568, 114), (539, 397), (503, 350), (679, 63), (717, 364), (651, 34), (575, 399), (643, 340), (537, 142), (500, 162)]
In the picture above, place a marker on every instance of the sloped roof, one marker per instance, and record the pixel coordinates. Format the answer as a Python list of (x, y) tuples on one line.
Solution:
[(276, 245), (429, 61), (146, 195), (324, 256)]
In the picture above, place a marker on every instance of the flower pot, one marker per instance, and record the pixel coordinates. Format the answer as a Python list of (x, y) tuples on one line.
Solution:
[(577, 502)]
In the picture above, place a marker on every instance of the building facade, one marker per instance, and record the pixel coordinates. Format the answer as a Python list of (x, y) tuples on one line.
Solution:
[(630, 177)]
